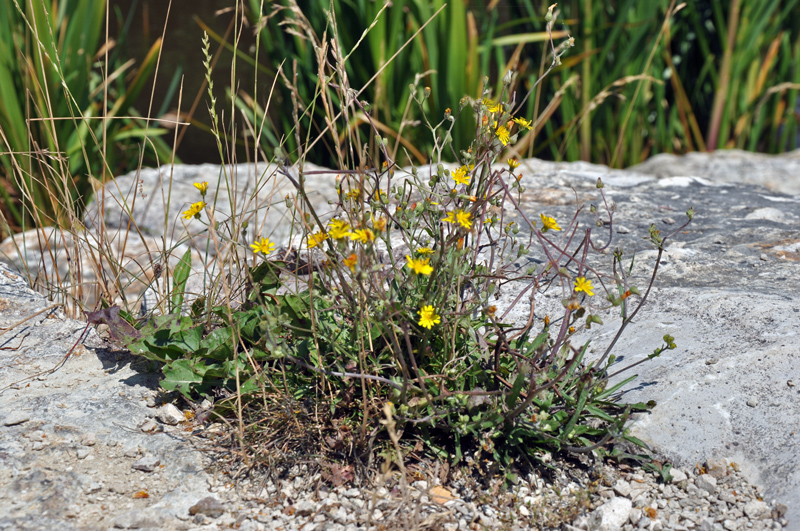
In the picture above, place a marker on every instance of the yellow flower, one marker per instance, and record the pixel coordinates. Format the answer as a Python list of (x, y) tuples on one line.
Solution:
[(420, 266), (263, 246), (522, 122), (549, 223), (425, 250), (316, 239), (581, 284), (491, 105), (339, 229), (502, 134), (463, 219), (379, 224), (363, 235), (203, 187), (194, 211), (351, 262), (461, 176), (513, 164), (428, 316)]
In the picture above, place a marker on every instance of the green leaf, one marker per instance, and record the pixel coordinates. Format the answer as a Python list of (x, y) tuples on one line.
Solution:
[(578, 413), (511, 398), (599, 413), (610, 391), (218, 345), (183, 376), (138, 132), (180, 276), (266, 276)]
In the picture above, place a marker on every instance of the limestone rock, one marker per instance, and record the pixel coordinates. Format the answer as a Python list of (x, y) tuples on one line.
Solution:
[(148, 463), (611, 516), (707, 482), (778, 173), (726, 291), (169, 414), (208, 506), (756, 509)]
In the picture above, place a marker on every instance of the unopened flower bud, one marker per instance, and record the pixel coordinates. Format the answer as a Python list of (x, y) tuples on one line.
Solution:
[(548, 17)]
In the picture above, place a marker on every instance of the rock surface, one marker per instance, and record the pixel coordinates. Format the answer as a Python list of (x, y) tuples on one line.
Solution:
[(727, 291), (778, 173)]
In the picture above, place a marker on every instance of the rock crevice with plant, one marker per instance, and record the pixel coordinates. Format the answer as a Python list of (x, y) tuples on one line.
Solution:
[(413, 338)]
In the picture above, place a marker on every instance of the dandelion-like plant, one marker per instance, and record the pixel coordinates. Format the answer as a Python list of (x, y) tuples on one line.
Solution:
[(194, 210)]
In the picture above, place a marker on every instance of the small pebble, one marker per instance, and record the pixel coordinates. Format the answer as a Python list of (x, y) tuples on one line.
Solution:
[(169, 414), (752, 402), (148, 463), (209, 506), (148, 425)]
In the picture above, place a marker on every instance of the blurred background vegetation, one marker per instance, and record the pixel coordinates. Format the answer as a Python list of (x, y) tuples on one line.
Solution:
[(718, 74)]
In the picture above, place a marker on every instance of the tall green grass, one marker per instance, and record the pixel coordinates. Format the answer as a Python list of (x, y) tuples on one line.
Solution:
[(716, 74), (66, 109)]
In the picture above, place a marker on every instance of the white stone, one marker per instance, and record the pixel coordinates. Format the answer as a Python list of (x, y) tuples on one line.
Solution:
[(148, 463), (707, 482), (767, 214), (305, 508), (169, 414), (611, 516), (622, 487), (148, 425), (756, 509), (678, 475)]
